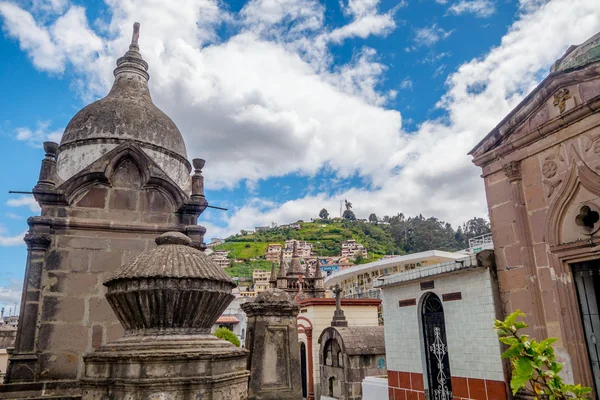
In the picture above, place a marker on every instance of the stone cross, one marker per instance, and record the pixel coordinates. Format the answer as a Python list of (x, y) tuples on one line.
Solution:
[(338, 297), (339, 319)]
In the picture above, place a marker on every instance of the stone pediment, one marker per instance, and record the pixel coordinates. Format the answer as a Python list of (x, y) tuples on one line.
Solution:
[(107, 171), (562, 98)]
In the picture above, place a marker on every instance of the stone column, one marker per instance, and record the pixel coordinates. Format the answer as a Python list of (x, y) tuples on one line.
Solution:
[(23, 362), (513, 172), (272, 339)]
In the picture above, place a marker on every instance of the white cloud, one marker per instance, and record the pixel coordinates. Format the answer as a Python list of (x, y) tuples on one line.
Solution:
[(430, 35), (266, 102), (40, 134), (8, 241), (480, 8), (25, 201), (12, 215), (10, 296), (367, 20), (406, 83)]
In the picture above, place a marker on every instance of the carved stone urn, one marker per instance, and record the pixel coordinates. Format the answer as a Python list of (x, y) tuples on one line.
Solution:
[(167, 299)]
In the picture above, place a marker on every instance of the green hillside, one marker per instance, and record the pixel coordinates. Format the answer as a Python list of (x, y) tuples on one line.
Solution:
[(397, 235)]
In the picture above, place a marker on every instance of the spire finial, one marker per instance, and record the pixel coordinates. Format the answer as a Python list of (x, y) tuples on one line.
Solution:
[(136, 34)]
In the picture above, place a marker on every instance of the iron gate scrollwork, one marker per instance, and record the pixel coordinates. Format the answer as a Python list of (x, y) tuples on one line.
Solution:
[(436, 349)]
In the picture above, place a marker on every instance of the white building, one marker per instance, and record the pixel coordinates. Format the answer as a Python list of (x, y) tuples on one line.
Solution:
[(357, 281), (350, 248), (220, 257), (234, 319), (304, 249), (450, 308)]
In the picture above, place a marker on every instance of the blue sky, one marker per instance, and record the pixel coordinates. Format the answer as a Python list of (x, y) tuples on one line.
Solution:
[(295, 105)]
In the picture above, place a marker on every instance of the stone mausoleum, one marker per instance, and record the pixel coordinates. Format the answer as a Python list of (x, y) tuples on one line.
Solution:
[(541, 169), (119, 178)]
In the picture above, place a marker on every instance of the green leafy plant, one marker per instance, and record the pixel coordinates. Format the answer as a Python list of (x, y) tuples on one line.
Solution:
[(224, 333), (535, 369)]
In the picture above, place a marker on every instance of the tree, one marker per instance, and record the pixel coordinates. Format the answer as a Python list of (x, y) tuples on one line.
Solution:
[(373, 218), (349, 215), (358, 259), (224, 333), (323, 214), (476, 227)]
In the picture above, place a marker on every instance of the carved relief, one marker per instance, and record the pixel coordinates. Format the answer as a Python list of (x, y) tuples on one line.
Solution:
[(512, 170), (560, 99), (549, 170)]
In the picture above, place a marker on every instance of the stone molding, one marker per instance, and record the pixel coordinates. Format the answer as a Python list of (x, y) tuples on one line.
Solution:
[(37, 241), (512, 170)]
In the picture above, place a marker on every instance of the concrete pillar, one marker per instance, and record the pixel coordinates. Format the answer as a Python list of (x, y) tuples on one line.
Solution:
[(272, 339)]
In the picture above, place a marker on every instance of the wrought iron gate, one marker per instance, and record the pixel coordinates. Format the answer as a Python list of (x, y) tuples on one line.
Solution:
[(436, 349), (587, 279)]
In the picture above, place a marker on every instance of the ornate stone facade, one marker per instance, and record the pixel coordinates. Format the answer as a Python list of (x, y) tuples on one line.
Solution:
[(100, 215), (541, 170)]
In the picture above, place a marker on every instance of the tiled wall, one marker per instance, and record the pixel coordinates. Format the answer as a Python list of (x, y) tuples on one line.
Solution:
[(409, 386), (474, 349)]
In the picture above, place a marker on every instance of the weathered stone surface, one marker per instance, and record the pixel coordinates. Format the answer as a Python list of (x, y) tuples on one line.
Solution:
[(272, 339)]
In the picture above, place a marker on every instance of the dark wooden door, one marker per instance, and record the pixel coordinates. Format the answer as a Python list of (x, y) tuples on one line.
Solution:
[(587, 279), (436, 349)]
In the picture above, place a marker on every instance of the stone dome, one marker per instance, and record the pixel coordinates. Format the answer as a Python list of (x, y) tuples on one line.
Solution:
[(126, 113), (172, 288), (579, 56)]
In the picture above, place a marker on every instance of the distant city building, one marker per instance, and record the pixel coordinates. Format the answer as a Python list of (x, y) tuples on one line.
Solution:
[(215, 242), (304, 249), (273, 252), (357, 281), (261, 228), (350, 248), (260, 279), (220, 257), (234, 319)]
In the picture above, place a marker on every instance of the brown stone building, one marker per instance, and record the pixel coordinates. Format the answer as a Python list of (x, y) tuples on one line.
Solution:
[(119, 178), (541, 167)]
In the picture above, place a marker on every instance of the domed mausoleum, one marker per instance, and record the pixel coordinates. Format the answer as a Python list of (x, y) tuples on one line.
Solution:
[(119, 178), (126, 113)]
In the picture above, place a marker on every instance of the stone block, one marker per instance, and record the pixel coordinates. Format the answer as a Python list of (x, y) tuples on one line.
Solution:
[(503, 235), (589, 89), (97, 336), (84, 243), (61, 365), (498, 193), (121, 216), (62, 309), (57, 338), (81, 283), (114, 332), (94, 198), (537, 221), (100, 311), (512, 279), (152, 201), (541, 254), (504, 213), (513, 255), (531, 171), (521, 300), (545, 279), (128, 244), (123, 199), (534, 196), (105, 261)]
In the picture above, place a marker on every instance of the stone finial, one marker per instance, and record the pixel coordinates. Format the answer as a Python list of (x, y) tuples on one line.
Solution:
[(282, 269), (136, 35), (47, 177), (173, 288), (132, 62), (295, 265), (339, 318), (198, 179)]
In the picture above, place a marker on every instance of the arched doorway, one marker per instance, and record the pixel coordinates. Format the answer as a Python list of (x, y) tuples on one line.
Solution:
[(436, 348), (303, 369)]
